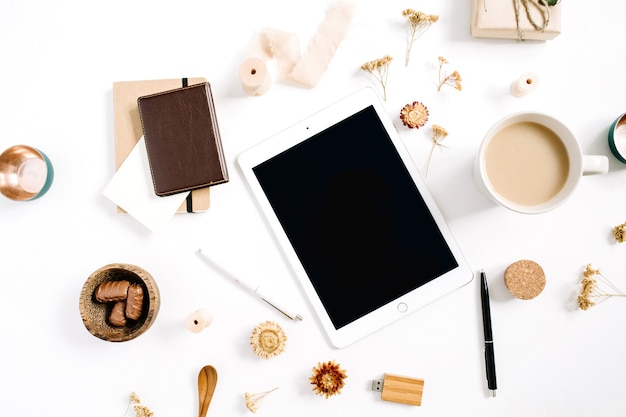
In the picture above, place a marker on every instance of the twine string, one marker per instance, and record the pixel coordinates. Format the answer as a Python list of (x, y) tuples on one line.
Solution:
[(539, 5)]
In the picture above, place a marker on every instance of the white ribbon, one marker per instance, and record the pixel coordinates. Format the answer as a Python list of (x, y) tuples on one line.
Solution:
[(306, 69)]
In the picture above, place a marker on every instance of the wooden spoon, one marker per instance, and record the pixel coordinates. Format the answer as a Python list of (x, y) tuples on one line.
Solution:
[(207, 380)]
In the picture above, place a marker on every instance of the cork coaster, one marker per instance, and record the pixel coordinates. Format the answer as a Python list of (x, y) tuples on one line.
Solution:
[(524, 279)]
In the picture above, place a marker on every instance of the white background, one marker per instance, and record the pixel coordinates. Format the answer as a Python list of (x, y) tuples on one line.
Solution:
[(58, 62)]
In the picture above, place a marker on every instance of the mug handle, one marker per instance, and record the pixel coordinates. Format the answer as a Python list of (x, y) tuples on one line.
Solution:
[(595, 164)]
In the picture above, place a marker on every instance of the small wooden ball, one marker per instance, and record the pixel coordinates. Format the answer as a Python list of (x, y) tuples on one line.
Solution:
[(525, 279)]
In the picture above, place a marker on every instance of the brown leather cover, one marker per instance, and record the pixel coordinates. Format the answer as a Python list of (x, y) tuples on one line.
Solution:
[(128, 127), (182, 139)]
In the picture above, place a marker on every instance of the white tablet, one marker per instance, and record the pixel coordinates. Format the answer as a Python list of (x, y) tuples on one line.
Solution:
[(348, 207)]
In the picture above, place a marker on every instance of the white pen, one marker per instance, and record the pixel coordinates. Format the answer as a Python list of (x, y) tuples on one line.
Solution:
[(256, 290)]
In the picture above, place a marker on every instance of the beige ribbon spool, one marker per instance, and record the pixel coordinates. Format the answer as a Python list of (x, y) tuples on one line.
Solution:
[(199, 320), (283, 47), (255, 79), (524, 84)]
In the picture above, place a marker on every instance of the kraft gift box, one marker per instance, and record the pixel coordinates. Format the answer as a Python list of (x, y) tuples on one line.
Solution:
[(128, 130), (498, 19)]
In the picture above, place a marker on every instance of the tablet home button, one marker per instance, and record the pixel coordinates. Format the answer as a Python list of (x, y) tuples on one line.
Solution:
[(402, 307)]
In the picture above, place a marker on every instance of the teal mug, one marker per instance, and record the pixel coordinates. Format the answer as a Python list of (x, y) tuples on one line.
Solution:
[(617, 138), (26, 173)]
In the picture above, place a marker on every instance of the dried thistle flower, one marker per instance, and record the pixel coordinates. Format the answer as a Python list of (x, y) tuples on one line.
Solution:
[(414, 115), (418, 24), (596, 289), (328, 379), (619, 232), (439, 134), (139, 409), (453, 80), (379, 69), (268, 339), (253, 401)]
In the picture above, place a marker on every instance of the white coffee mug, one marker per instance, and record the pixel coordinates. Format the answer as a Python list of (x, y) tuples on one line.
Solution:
[(531, 163)]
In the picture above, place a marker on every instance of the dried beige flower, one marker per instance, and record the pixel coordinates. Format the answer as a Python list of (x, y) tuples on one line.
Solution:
[(584, 298), (268, 339), (134, 398), (139, 409), (453, 80), (253, 401), (439, 134), (418, 24), (328, 379), (142, 411), (590, 272), (414, 115), (596, 289), (379, 69), (619, 232)]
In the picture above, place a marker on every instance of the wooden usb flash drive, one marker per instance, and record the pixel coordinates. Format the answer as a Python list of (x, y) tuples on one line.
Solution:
[(400, 389)]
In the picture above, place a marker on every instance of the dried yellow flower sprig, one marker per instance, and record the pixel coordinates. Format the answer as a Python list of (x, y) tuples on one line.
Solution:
[(253, 401), (453, 80), (328, 379), (594, 291), (619, 233), (439, 134), (379, 69), (139, 409), (418, 24)]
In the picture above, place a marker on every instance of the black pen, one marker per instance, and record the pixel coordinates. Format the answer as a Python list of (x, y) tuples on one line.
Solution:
[(490, 361)]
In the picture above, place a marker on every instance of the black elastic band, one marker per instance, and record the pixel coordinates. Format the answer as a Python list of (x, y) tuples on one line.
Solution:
[(189, 198), (189, 203)]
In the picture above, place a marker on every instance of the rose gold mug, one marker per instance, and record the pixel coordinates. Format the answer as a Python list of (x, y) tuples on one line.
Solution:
[(26, 173)]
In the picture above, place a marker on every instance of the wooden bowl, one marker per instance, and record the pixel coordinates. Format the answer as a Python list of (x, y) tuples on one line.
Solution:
[(95, 314)]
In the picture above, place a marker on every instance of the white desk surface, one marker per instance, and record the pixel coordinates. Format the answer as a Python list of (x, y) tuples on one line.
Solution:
[(59, 60)]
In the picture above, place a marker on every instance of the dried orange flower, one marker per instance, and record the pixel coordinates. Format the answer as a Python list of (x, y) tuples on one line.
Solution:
[(140, 409), (253, 401), (414, 115), (379, 69), (439, 134), (328, 379), (268, 339), (453, 80), (593, 289), (619, 232), (418, 23)]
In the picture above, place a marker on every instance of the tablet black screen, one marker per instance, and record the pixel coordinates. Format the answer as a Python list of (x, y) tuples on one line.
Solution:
[(354, 217)]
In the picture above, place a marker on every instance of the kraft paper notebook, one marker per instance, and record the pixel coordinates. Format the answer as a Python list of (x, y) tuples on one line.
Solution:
[(182, 139), (127, 126)]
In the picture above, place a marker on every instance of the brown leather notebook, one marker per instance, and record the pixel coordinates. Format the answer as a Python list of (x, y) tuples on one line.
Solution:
[(182, 139), (128, 130)]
